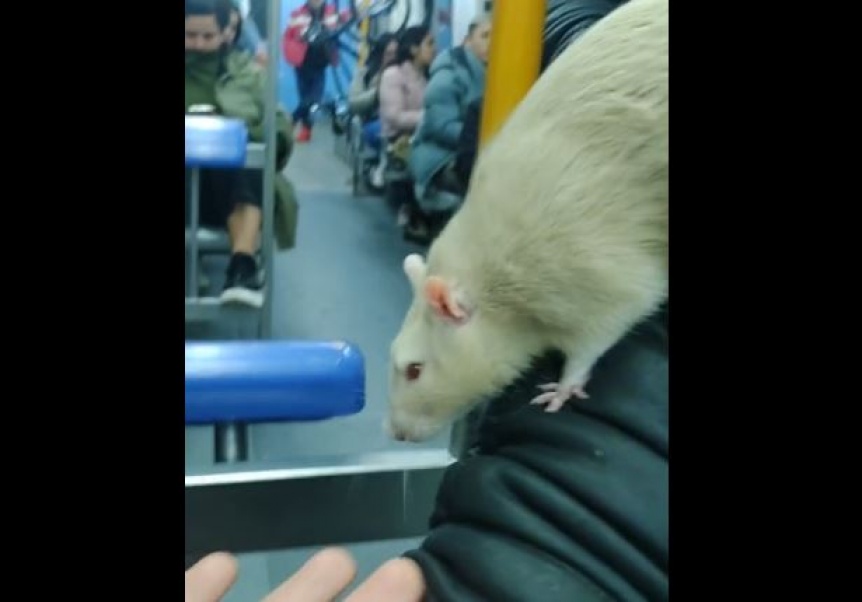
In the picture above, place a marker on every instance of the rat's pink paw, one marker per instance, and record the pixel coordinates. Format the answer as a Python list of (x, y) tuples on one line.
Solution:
[(555, 396)]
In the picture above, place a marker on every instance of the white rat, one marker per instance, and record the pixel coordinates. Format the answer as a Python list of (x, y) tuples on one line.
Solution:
[(562, 240)]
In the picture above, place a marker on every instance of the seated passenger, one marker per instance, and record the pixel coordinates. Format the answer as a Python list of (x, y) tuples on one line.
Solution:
[(566, 21), (233, 31), (402, 90), (402, 85), (231, 84), (457, 79), (246, 36), (364, 98), (235, 34)]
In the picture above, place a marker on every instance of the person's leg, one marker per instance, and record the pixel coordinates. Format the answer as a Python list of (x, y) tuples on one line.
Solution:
[(303, 87), (412, 218), (317, 84), (417, 227), (373, 139), (377, 177), (243, 226), (314, 80), (242, 281), (397, 174), (371, 134), (241, 213)]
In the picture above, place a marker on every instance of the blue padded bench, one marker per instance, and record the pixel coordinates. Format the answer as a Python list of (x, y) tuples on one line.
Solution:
[(272, 381), (218, 142)]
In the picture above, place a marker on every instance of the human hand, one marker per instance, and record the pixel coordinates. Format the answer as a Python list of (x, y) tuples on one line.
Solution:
[(321, 579)]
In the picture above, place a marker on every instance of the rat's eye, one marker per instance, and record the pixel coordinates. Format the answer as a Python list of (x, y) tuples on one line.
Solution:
[(413, 371)]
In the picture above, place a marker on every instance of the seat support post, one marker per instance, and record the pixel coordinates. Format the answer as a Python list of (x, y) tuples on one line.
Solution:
[(231, 442), (192, 286)]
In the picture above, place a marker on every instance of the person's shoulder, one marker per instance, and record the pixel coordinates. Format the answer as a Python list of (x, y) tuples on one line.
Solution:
[(238, 59), (452, 64), (298, 11), (443, 60), (241, 63), (392, 72)]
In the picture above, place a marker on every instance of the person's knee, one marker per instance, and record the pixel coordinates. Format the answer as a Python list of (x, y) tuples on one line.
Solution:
[(246, 211)]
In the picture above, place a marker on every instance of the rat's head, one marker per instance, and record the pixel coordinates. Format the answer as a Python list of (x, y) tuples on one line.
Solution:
[(438, 366)]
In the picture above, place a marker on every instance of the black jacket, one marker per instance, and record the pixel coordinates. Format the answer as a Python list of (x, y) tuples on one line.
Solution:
[(468, 141), (567, 506)]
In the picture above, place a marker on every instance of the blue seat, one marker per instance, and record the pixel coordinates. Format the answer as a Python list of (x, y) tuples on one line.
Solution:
[(272, 381), (213, 141)]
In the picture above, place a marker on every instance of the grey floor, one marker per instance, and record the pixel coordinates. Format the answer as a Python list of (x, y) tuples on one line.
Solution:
[(342, 281)]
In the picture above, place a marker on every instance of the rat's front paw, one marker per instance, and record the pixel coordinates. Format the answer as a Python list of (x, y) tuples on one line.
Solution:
[(556, 396)]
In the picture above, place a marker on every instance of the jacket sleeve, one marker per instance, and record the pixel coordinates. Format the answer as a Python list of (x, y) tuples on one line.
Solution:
[(393, 104), (565, 506), (443, 121), (362, 100), (566, 20), (283, 123)]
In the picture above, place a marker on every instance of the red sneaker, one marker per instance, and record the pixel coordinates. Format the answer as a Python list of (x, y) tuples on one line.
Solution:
[(304, 134)]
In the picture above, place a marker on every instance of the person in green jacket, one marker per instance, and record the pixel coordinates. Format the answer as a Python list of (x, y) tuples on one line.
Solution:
[(231, 82)]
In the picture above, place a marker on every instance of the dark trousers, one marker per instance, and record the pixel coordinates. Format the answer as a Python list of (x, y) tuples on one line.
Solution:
[(221, 190), (310, 82)]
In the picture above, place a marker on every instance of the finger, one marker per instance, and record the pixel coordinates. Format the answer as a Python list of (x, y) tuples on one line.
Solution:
[(321, 578), (210, 578), (398, 580)]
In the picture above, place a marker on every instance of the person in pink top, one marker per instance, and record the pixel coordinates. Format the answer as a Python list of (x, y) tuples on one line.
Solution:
[(402, 85), (402, 91)]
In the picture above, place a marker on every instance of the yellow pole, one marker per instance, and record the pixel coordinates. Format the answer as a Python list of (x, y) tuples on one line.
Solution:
[(514, 60), (364, 26)]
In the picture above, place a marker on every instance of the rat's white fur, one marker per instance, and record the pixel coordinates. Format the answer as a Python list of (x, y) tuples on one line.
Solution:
[(562, 239)]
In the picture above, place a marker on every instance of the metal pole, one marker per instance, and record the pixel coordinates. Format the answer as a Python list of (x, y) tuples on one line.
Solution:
[(271, 102), (513, 66), (231, 442), (195, 192), (364, 31), (514, 60)]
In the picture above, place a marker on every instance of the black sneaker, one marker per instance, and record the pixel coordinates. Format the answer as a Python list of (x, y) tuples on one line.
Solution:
[(243, 283)]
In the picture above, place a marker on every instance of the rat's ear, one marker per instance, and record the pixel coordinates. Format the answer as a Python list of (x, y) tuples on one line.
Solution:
[(414, 267), (445, 302)]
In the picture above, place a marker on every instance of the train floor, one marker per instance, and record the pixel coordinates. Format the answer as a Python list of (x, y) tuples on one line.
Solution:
[(342, 281)]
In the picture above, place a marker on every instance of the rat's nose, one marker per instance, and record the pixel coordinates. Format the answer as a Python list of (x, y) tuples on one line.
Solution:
[(393, 431)]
